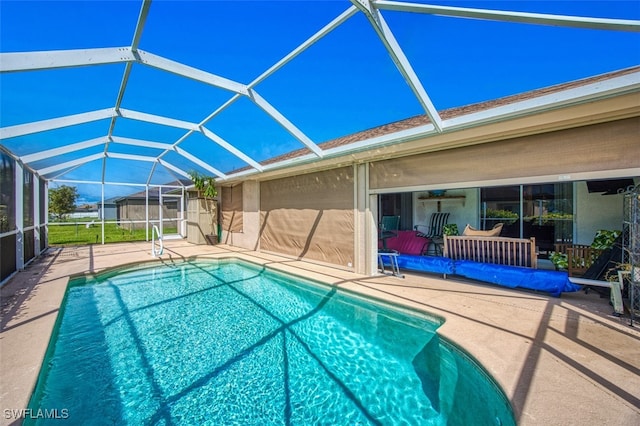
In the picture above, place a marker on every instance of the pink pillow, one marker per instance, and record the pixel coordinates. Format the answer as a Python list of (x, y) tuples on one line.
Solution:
[(407, 242)]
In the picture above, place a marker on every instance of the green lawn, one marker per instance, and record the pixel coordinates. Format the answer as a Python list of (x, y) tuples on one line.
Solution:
[(79, 233)]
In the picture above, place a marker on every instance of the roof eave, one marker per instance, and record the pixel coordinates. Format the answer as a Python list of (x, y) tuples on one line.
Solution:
[(600, 96)]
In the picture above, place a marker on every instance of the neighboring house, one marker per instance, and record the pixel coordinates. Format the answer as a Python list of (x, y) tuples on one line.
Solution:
[(85, 210), (110, 210), (131, 211)]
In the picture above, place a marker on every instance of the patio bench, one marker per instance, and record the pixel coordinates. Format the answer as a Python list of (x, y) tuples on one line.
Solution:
[(494, 250)]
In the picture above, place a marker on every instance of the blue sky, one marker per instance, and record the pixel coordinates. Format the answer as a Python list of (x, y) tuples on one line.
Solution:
[(343, 84)]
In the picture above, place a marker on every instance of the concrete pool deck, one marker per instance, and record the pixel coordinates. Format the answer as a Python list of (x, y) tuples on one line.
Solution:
[(560, 361)]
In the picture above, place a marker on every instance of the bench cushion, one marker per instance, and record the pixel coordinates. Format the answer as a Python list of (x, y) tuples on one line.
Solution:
[(493, 232)]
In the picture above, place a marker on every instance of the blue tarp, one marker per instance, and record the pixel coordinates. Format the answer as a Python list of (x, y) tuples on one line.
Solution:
[(438, 265), (553, 282)]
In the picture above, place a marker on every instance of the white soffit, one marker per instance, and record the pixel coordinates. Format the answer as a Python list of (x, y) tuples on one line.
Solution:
[(589, 92)]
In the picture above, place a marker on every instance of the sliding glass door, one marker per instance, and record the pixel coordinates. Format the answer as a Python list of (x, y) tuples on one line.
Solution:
[(541, 211)]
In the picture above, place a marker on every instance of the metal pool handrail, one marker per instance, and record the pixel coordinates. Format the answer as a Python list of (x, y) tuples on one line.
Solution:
[(156, 232)]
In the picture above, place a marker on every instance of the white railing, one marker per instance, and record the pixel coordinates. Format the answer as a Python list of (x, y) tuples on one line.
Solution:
[(155, 232)]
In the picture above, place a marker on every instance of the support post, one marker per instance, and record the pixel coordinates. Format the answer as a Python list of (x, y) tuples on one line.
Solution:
[(36, 215), (146, 212), (19, 200), (102, 197)]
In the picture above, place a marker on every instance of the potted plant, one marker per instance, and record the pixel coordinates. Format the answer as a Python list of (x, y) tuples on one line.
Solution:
[(206, 185), (450, 229), (505, 216), (205, 222)]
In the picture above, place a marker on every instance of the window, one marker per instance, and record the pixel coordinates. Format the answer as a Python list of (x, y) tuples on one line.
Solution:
[(28, 201), (399, 204), (7, 194)]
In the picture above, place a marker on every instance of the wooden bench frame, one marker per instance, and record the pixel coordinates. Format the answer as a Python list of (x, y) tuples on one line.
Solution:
[(496, 250)]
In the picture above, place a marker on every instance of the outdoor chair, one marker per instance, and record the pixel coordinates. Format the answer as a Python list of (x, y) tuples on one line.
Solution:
[(434, 230), (388, 229), (580, 257)]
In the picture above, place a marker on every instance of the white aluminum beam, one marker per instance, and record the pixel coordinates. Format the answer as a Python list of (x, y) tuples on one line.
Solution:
[(282, 120), (140, 142), (173, 173), (72, 163), (232, 149), (142, 19), (174, 168), (53, 59), (54, 123), (131, 157), (185, 154), (123, 86), (220, 109), (64, 172), (153, 170), (37, 156), (96, 182), (199, 162), (509, 16), (156, 119), (168, 65), (352, 10), (93, 182), (144, 11), (399, 58)]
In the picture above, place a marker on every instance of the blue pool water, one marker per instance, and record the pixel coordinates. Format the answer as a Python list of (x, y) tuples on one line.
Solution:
[(234, 343)]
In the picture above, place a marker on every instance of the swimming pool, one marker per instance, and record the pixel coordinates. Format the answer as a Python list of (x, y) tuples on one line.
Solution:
[(229, 342)]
